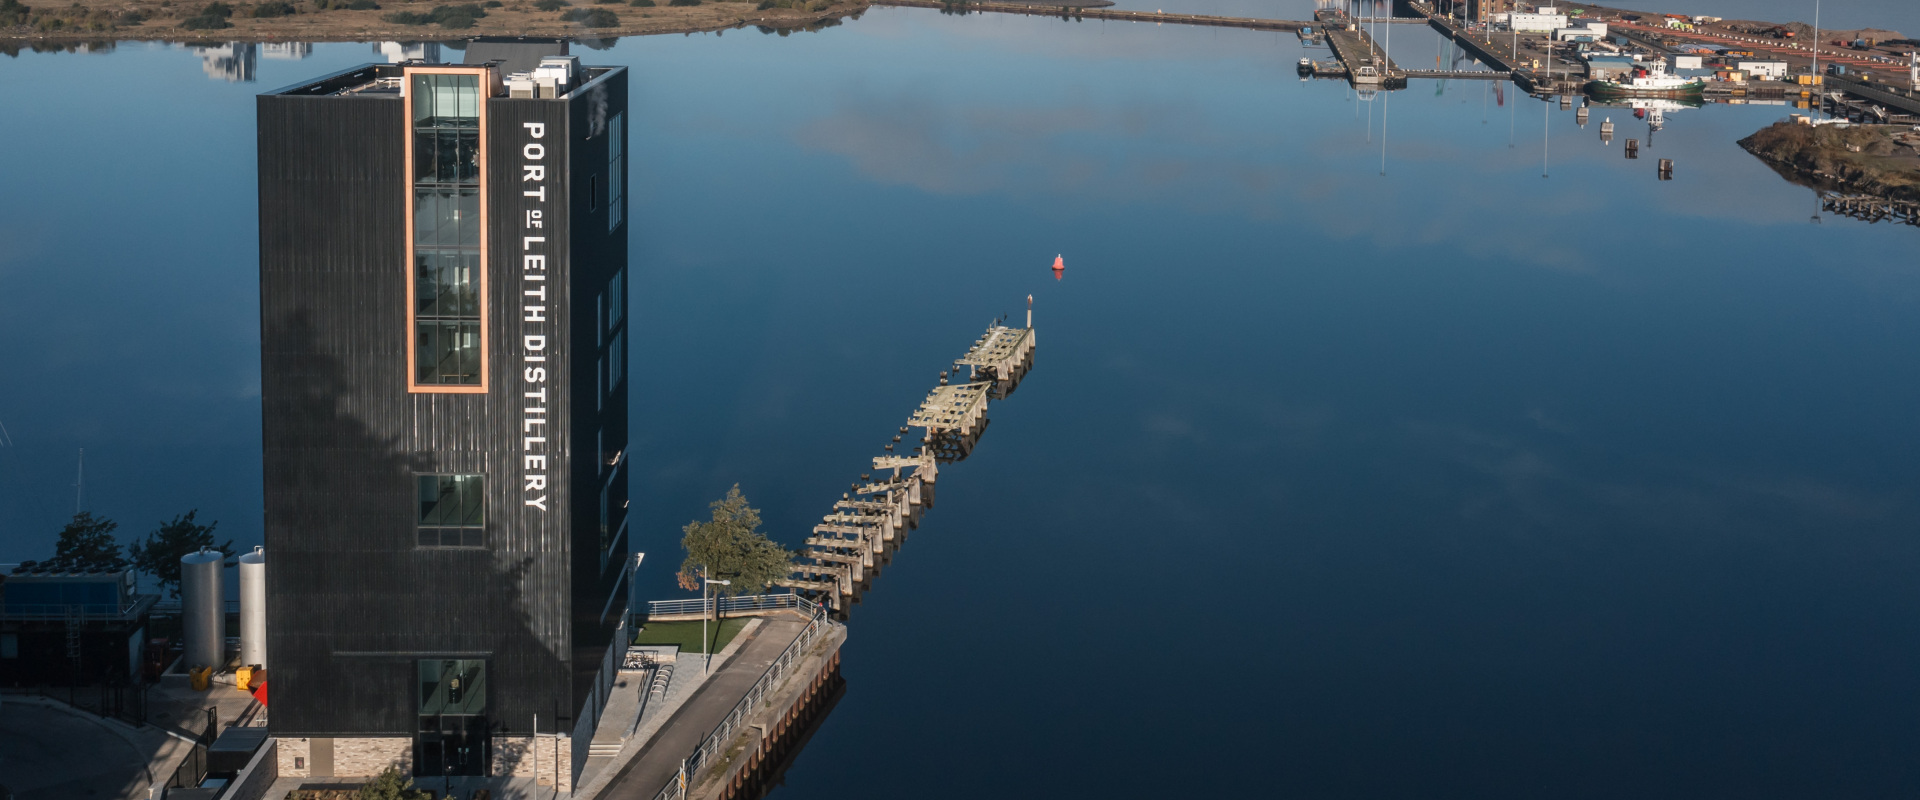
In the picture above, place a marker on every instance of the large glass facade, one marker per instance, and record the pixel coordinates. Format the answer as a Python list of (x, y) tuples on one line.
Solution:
[(446, 230), (453, 511)]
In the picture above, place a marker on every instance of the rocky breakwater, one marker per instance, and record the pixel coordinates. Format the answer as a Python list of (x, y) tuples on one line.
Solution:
[(1882, 160)]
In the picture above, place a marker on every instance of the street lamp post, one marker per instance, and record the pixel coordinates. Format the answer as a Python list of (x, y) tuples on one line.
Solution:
[(1818, 83), (633, 595), (706, 645)]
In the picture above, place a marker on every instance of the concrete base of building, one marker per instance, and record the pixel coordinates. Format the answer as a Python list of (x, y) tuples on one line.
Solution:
[(549, 761), (546, 762), (344, 757)]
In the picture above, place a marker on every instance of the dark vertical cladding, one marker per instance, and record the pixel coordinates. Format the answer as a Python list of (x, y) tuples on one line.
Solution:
[(599, 252), (355, 602)]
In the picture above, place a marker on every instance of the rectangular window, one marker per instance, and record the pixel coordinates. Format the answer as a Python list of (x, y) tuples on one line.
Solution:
[(616, 166), (453, 511), (606, 514), (9, 645), (447, 284), (453, 687), (616, 361), (616, 298)]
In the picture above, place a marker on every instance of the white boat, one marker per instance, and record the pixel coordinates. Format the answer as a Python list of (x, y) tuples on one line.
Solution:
[(1647, 81)]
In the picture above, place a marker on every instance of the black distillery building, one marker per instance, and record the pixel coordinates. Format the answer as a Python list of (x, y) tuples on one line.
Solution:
[(443, 255)]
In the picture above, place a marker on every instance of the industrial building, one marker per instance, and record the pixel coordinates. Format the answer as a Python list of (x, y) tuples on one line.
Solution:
[(1768, 69), (443, 287), (1536, 23), (1482, 11), (72, 628)]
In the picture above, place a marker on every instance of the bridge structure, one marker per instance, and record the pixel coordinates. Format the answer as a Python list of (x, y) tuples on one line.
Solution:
[(1460, 74), (1360, 59), (1155, 17), (1503, 55), (869, 523), (1893, 97), (1366, 63)]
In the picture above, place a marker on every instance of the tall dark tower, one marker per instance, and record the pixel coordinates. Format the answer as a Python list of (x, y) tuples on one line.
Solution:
[(443, 285)]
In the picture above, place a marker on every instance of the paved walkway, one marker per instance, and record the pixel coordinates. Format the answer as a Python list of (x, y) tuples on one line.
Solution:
[(49, 751), (691, 723)]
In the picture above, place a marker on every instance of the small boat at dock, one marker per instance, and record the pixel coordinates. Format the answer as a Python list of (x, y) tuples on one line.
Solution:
[(1652, 80)]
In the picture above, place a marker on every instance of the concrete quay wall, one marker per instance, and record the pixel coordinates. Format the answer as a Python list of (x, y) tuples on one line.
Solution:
[(773, 736)]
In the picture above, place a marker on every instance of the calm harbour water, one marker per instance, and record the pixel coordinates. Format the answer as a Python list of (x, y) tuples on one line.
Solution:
[(1452, 481)]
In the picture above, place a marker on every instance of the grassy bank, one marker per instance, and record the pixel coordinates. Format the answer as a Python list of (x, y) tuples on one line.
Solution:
[(687, 634), (26, 24)]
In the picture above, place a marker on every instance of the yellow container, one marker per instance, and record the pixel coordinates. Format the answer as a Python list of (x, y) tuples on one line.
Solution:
[(201, 678), (242, 677)]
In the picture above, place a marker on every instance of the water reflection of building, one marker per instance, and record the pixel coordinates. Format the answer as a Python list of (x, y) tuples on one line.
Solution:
[(396, 52), (233, 62), (286, 51)]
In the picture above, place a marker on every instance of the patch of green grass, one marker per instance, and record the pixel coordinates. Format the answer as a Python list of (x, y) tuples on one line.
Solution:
[(687, 634)]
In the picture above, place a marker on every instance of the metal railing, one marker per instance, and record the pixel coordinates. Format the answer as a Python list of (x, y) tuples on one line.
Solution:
[(676, 788), (750, 602), (84, 611), (171, 608)]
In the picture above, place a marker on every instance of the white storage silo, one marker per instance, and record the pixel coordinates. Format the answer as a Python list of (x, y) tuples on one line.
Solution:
[(253, 608), (202, 614)]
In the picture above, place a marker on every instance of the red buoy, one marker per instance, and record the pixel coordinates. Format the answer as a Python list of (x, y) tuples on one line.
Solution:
[(1059, 263)]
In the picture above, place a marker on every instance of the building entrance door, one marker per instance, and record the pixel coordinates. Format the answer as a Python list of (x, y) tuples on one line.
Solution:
[(457, 745), (452, 736)]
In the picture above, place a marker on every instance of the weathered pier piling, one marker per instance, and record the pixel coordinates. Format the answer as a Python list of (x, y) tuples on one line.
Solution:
[(869, 522), (1871, 208)]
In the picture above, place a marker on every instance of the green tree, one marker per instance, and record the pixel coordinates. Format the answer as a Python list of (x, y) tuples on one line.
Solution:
[(159, 555), (12, 13), (731, 547), (86, 544), (391, 785)]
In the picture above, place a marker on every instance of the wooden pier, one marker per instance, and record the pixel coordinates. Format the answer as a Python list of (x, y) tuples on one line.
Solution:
[(1156, 18), (1871, 208), (869, 522)]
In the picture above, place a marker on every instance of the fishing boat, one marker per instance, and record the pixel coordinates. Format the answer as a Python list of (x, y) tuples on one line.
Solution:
[(1306, 66), (1647, 81)]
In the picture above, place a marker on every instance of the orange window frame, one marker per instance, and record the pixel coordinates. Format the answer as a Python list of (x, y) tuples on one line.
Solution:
[(486, 350)]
